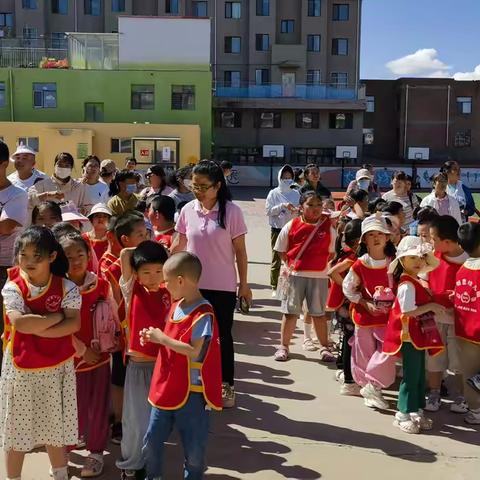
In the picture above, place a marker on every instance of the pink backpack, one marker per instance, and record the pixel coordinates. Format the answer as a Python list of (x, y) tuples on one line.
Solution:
[(106, 328)]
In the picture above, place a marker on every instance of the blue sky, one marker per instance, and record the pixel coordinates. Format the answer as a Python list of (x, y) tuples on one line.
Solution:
[(422, 37)]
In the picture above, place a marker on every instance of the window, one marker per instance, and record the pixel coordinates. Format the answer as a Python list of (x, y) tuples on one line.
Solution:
[(45, 95), (2, 94), (232, 78), (233, 44), (200, 9), (29, 4), (314, 8), (60, 6), (341, 12), (339, 79), (313, 77), (172, 6), (30, 33), (121, 145), (6, 20), (92, 7), (464, 105), (341, 121), (262, 42), (94, 112), (339, 46), (307, 120), (143, 97), (183, 97), (268, 120), (368, 136), (58, 40), (263, 8), (31, 142), (233, 10), (229, 120), (262, 76), (463, 139), (118, 5), (313, 43), (287, 26), (370, 104)]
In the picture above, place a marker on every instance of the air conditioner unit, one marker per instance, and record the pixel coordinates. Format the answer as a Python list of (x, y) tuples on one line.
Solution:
[(267, 116)]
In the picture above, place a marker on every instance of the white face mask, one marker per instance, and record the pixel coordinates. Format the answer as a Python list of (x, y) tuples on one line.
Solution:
[(62, 173), (286, 182), (363, 184)]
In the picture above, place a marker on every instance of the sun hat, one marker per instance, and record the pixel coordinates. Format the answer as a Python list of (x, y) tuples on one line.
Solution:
[(107, 167), (70, 213), (411, 246), (375, 223), (363, 173), (23, 149), (100, 208)]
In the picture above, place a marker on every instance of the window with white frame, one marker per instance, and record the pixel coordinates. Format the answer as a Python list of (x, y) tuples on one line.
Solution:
[(464, 105), (370, 104), (121, 145)]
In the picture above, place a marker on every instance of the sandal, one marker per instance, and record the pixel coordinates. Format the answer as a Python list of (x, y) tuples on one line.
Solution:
[(423, 423), (309, 346), (326, 355), (281, 354), (407, 426)]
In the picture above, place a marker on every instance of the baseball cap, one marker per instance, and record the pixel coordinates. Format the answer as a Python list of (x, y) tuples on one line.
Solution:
[(363, 173), (107, 167)]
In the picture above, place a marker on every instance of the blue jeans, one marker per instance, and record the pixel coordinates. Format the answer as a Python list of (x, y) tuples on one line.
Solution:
[(192, 422)]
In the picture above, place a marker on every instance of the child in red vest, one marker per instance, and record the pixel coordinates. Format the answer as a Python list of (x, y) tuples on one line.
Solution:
[(161, 213), (371, 368), (187, 381), (97, 237), (92, 367), (444, 236), (306, 244), (467, 317), (148, 304), (411, 329), (113, 250), (37, 388)]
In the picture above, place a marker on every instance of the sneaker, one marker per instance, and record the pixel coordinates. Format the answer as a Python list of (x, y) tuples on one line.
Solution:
[(406, 424), (433, 402), (459, 405), (93, 466), (228, 396), (308, 345), (128, 475), (274, 293), (340, 376), (373, 397), (474, 382), (117, 433), (350, 390), (473, 417)]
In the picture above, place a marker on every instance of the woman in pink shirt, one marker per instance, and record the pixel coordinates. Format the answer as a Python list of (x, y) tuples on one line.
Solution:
[(213, 228)]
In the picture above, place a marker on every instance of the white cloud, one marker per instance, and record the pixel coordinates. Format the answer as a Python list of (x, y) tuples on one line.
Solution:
[(475, 75), (423, 62)]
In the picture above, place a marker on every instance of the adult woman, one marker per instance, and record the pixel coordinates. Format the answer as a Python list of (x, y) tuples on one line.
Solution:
[(181, 181), (365, 180), (95, 190), (281, 206), (458, 190), (213, 228), (312, 182), (60, 187), (399, 193), (158, 183), (122, 192)]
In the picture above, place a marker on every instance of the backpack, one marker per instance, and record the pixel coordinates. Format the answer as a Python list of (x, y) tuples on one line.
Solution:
[(106, 328)]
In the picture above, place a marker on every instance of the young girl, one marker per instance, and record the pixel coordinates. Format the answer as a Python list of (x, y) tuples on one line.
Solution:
[(97, 237), (346, 247), (411, 335), (92, 367), (47, 214), (123, 192), (306, 244), (37, 388), (371, 368)]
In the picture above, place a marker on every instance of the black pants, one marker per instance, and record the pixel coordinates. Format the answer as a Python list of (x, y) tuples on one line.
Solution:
[(3, 280), (344, 361), (223, 304)]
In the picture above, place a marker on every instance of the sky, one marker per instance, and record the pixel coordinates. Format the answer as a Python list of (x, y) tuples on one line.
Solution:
[(420, 38)]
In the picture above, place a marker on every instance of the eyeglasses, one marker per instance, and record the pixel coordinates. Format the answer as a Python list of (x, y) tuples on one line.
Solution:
[(200, 188)]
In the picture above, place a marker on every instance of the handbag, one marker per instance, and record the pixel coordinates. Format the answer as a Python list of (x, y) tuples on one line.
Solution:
[(286, 271)]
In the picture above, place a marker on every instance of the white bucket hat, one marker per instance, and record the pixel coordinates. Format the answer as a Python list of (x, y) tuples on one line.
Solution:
[(363, 173), (22, 149), (411, 246), (100, 208), (375, 223)]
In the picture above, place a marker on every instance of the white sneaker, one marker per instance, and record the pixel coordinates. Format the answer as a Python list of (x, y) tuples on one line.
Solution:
[(340, 376), (433, 402), (459, 405), (350, 389), (373, 397), (473, 417), (274, 294)]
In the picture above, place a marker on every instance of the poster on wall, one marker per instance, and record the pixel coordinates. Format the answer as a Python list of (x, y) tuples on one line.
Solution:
[(470, 176)]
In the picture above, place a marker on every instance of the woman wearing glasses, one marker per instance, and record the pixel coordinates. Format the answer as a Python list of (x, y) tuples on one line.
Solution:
[(213, 228)]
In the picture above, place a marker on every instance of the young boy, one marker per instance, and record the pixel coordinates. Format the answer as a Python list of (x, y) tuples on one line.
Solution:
[(444, 237), (161, 213), (467, 316), (187, 380), (424, 218), (147, 303)]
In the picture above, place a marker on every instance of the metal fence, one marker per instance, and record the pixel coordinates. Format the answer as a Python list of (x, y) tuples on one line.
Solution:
[(28, 57)]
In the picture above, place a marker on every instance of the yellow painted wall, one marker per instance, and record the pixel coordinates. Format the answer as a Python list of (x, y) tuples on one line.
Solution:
[(65, 137)]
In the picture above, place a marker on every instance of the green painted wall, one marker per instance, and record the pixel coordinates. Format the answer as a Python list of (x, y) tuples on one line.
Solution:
[(113, 89)]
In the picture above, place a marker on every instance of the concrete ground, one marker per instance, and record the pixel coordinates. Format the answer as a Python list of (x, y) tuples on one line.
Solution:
[(290, 422)]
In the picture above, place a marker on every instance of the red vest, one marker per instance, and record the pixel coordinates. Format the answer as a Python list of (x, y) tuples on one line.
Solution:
[(31, 352), (393, 340), (98, 291), (114, 272), (104, 264), (165, 238), (147, 309), (315, 257), (370, 277), (170, 386), (467, 304), (98, 246), (336, 298), (442, 280)]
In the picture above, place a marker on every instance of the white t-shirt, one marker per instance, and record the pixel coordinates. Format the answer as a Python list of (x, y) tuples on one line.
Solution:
[(13, 206), (26, 184), (95, 194)]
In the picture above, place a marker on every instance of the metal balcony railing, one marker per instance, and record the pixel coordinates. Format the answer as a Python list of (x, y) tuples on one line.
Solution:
[(30, 52)]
